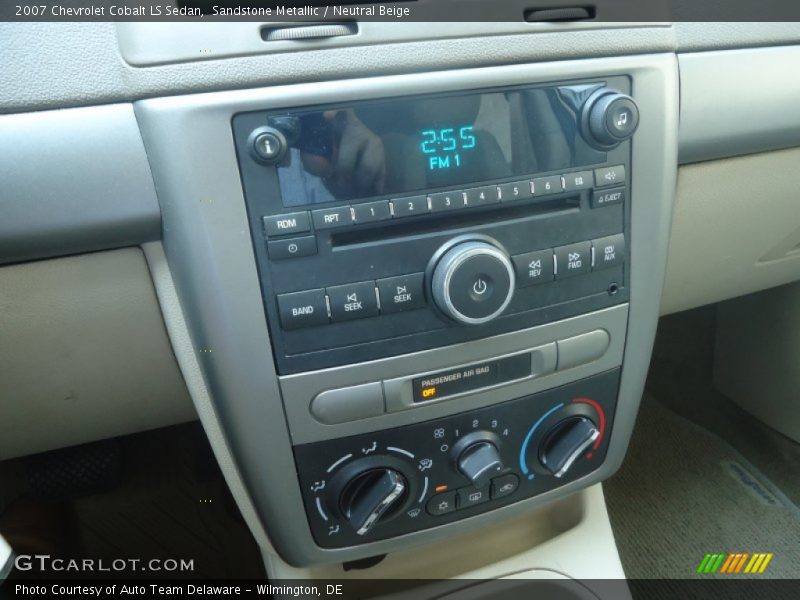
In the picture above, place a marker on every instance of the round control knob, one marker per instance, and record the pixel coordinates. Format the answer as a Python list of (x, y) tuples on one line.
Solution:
[(610, 117), (267, 145), (473, 282), (479, 462), (565, 442), (369, 496)]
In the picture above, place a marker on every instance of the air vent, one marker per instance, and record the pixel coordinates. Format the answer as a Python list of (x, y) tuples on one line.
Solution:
[(311, 31), (566, 13)]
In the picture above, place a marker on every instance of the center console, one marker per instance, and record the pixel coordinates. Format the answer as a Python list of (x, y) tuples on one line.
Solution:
[(420, 304)]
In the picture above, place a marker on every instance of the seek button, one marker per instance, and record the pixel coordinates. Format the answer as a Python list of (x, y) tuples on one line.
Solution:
[(401, 293)]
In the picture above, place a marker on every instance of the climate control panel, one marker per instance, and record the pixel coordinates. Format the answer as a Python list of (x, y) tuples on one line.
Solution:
[(387, 483)]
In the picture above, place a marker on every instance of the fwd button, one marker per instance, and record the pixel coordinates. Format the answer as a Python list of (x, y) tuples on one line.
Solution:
[(353, 301)]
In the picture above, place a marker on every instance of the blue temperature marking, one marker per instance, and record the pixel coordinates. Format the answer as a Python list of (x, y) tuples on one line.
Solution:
[(523, 463)]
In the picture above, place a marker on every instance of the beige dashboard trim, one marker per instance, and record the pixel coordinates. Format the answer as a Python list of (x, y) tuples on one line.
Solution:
[(189, 364)]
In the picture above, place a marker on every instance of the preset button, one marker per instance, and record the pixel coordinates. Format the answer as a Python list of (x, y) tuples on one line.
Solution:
[(442, 201), (409, 207), (516, 190), (372, 211), (543, 186)]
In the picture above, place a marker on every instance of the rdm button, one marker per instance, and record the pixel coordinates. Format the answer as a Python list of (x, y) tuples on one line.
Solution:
[(303, 309)]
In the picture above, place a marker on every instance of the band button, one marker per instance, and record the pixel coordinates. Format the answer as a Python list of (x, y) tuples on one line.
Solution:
[(303, 309)]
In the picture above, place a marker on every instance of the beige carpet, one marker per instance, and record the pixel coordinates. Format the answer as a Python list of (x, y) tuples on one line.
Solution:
[(684, 492)]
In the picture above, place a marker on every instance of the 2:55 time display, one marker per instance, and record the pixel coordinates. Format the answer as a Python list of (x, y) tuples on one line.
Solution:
[(443, 148)]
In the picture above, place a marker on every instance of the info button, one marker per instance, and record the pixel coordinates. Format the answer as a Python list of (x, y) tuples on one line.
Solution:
[(401, 293)]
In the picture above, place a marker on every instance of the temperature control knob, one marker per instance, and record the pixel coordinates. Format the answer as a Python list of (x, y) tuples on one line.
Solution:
[(565, 442), (609, 118), (369, 496), (473, 282)]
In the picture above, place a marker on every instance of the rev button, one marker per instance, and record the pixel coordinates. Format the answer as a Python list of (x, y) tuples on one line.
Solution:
[(353, 301), (533, 267)]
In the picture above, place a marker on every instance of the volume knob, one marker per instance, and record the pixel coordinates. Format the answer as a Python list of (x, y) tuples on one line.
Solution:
[(473, 282)]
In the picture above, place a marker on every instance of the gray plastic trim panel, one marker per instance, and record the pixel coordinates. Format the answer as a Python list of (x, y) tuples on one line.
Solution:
[(299, 390), (144, 44), (738, 102), (208, 247), (74, 181)]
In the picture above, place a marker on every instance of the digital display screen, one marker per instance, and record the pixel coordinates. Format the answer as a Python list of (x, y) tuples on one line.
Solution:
[(390, 148)]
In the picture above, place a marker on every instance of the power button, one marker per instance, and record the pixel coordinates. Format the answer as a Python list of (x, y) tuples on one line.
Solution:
[(473, 282)]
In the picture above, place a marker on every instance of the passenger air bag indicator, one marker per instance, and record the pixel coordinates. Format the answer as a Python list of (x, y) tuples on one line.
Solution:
[(470, 378)]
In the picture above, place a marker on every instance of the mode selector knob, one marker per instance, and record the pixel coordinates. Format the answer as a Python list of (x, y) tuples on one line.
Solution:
[(369, 496), (473, 282), (609, 118), (478, 457)]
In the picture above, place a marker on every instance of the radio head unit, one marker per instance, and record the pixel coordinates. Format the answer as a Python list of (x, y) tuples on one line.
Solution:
[(390, 226)]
